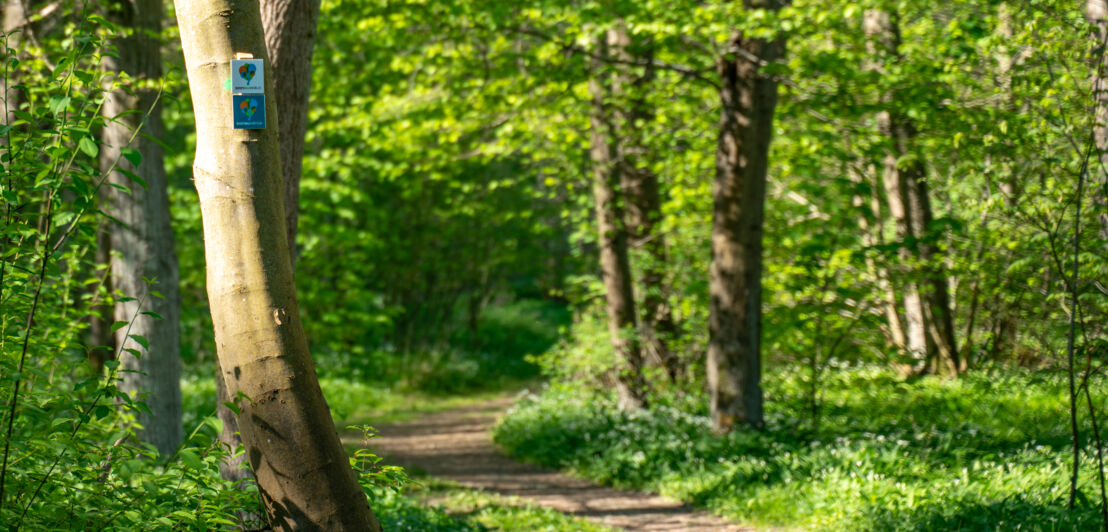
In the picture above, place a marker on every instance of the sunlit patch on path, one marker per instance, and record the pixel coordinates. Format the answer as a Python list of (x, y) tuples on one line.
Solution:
[(455, 445)]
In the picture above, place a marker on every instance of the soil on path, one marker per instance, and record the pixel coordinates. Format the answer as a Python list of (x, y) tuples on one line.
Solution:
[(456, 445)]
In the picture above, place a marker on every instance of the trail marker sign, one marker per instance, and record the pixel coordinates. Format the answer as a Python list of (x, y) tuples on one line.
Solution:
[(248, 76), (248, 92), (249, 111)]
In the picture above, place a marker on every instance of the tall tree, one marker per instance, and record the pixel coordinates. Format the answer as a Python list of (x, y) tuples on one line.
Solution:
[(1097, 13), (290, 28), (926, 295), (748, 97), (615, 266), (143, 260), (290, 439), (641, 191)]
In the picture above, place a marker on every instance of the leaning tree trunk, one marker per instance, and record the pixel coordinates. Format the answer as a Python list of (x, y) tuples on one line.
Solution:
[(748, 98), (640, 188), (612, 239), (142, 243), (290, 27), (302, 470), (926, 295)]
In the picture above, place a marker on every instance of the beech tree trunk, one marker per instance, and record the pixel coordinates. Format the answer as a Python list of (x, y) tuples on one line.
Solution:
[(615, 266), (290, 27), (748, 98), (302, 470), (926, 295), (643, 199), (142, 243)]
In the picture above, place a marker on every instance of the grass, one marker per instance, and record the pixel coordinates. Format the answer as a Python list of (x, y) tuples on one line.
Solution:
[(985, 452)]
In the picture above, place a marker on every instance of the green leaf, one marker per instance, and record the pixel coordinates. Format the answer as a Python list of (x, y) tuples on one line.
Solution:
[(141, 340), (232, 407), (118, 325), (97, 19), (190, 459), (88, 146), (133, 156), (215, 423), (58, 104)]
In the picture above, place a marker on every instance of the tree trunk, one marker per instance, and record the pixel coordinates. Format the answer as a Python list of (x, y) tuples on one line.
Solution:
[(871, 237), (290, 27), (302, 470), (1009, 183), (142, 244), (640, 189), (1097, 12), (926, 295), (14, 19), (612, 238), (748, 99)]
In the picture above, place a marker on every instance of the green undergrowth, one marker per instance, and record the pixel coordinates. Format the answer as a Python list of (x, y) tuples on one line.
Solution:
[(384, 387), (989, 451), (491, 357), (402, 513), (351, 402)]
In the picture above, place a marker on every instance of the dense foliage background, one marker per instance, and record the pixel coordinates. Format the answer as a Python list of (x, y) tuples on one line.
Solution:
[(447, 247)]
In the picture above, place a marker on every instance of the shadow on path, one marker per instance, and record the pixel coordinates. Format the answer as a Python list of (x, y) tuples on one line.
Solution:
[(455, 445)]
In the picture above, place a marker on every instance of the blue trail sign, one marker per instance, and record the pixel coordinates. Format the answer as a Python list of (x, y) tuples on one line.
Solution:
[(249, 111)]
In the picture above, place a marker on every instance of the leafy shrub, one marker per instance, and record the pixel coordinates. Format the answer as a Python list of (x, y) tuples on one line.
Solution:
[(986, 452)]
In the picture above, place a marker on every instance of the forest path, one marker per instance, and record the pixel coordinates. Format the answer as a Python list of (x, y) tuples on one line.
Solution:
[(456, 445)]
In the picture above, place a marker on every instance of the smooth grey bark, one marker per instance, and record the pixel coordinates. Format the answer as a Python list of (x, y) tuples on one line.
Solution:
[(748, 98), (142, 244), (615, 266)]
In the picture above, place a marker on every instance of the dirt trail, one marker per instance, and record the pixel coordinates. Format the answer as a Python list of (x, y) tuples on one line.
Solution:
[(455, 445)]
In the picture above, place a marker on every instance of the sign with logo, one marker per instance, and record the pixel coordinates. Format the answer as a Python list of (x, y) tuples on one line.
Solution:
[(249, 111), (247, 76)]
